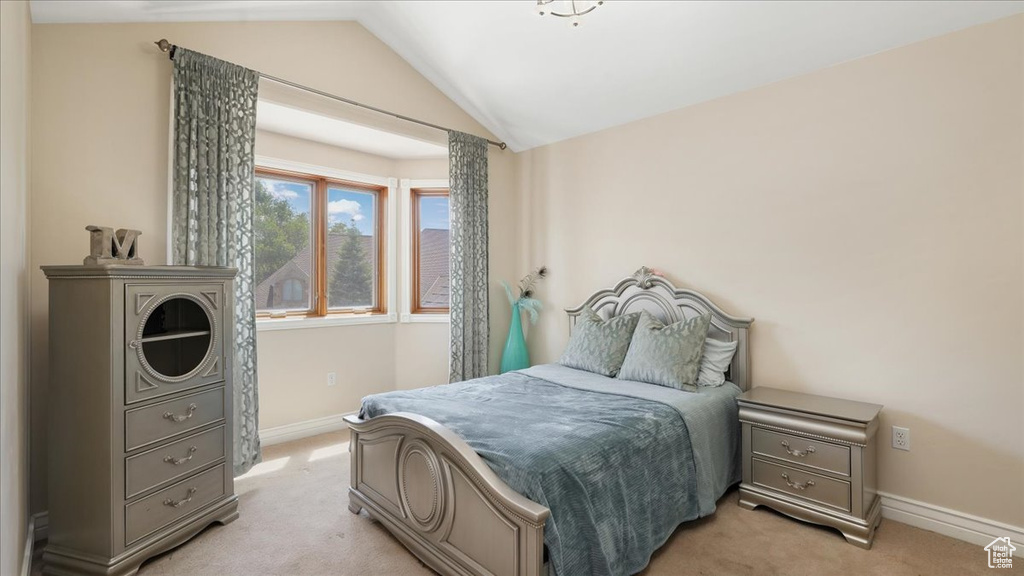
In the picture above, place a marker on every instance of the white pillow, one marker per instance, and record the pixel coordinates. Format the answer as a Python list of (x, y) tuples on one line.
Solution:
[(715, 362)]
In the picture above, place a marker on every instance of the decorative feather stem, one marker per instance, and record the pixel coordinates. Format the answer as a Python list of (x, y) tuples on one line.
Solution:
[(526, 301), (508, 292)]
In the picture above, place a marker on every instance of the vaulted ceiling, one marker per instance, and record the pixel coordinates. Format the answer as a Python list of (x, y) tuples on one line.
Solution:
[(532, 80)]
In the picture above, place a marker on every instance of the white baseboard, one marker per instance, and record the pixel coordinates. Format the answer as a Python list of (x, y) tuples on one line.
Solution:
[(26, 560), (299, 430), (41, 521), (959, 525)]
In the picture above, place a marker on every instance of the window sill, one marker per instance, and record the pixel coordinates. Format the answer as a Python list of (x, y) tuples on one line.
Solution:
[(271, 324), (425, 318)]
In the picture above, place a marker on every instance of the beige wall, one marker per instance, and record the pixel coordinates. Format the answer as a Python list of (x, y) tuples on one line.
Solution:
[(100, 152), (869, 216), (421, 350), (293, 364), (15, 32)]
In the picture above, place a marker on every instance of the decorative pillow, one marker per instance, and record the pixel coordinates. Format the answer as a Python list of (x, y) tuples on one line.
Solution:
[(599, 345), (715, 362), (666, 355)]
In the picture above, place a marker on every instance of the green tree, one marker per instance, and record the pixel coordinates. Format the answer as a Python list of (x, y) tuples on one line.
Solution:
[(352, 281), (280, 233)]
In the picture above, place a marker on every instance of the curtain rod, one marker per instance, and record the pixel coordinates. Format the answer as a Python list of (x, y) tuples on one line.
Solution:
[(169, 48)]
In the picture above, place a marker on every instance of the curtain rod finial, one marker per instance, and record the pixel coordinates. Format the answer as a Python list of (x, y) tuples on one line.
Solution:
[(163, 44)]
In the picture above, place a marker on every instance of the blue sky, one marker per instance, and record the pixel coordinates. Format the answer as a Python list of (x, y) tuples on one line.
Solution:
[(296, 194), (351, 206), (434, 212)]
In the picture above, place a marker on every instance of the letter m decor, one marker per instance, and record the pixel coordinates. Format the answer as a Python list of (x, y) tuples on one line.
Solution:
[(109, 247)]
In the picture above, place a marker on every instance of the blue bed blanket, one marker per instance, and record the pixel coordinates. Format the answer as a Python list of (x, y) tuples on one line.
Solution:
[(620, 464)]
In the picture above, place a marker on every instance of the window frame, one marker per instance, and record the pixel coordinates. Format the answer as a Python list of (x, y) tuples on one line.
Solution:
[(323, 179), (404, 287), (415, 195)]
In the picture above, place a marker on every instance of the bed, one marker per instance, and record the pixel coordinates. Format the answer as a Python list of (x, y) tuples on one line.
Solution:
[(551, 469)]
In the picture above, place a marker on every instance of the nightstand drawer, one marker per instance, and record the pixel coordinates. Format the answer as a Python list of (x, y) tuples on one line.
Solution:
[(805, 485), (800, 450)]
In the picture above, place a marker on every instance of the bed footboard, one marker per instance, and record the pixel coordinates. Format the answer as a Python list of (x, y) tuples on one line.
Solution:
[(436, 495)]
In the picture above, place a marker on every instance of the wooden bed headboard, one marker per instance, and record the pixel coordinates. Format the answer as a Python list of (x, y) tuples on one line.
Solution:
[(646, 291)]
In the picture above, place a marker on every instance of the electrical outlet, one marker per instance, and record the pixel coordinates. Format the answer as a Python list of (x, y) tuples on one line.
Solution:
[(332, 379), (901, 438)]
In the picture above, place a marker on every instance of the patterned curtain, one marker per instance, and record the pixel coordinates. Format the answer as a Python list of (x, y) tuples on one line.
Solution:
[(467, 160), (214, 138)]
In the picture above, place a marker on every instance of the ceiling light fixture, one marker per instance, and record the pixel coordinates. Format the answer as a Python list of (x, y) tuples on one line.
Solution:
[(574, 9)]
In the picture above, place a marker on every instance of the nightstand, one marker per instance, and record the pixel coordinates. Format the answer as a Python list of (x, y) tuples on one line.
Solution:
[(812, 458)]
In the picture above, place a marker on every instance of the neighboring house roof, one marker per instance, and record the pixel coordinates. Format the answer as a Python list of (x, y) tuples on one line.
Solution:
[(434, 271), (299, 266), (433, 267), (291, 269)]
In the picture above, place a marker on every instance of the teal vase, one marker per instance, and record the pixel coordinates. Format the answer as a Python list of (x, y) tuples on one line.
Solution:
[(515, 356)]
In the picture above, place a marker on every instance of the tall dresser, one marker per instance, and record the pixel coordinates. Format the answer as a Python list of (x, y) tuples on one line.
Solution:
[(140, 414)]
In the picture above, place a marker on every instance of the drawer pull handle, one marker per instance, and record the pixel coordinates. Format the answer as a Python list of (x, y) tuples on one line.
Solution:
[(797, 453), (173, 418), (796, 485), (183, 501), (180, 461)]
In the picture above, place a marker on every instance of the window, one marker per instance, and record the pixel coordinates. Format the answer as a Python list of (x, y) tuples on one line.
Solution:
[(352, 247), (319, 245), (294, 290), (431, 225), (283, 231)]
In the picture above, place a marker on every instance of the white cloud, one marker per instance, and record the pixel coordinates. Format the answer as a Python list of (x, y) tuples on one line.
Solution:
[(350, 207), (279, 190)]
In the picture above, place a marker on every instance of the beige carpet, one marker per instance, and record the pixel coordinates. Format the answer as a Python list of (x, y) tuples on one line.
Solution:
[(295, 521)]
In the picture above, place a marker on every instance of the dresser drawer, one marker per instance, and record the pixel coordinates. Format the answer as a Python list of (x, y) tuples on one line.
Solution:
[(144, 426), (800, 450), (805, 485), (172, 503), (173, 461)]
